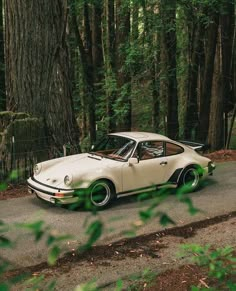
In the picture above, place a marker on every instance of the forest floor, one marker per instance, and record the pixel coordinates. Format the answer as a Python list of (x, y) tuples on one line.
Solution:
[(173, 274)]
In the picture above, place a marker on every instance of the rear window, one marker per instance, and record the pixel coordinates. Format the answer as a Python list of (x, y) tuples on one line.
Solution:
[(173, 149)]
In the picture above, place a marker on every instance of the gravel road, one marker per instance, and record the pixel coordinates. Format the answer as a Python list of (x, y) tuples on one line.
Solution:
[(218, 197)]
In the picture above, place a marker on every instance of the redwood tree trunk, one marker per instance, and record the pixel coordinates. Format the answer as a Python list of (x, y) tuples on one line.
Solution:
[(37, 66), (122, 74), (89, 76), (86, 56), (2, 61), (191, 120), (97, 51), (207, 78), (168, 82), (97, 43), (227, 23), (216, 125), (110, 61)]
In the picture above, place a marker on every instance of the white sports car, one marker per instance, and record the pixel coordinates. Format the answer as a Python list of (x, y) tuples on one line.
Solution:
[(121, 164)]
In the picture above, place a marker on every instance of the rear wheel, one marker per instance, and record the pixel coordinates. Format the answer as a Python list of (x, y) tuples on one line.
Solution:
[(190, 179), (101, 193)]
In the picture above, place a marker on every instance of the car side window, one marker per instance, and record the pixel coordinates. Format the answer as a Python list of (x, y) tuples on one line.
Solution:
[(173, 149), (149, 150)]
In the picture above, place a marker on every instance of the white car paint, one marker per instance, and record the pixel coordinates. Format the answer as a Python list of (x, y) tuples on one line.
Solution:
[(85, 169)]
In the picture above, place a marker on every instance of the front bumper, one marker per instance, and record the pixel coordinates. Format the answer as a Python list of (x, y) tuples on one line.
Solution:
[(51, 194)]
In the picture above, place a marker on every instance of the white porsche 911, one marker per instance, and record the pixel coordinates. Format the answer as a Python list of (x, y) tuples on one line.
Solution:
[(121, 164)]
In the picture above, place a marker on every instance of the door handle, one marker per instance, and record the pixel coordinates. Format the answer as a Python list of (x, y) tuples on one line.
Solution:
[(163, 163)]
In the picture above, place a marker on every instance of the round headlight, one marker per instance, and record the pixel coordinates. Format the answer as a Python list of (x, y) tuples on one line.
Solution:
[(68, 180), (37, 169)]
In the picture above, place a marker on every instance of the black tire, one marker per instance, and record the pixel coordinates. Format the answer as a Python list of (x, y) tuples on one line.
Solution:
[(190, 179), (101, 194)]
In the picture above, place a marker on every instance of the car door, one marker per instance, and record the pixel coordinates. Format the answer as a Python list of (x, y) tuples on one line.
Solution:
[(149, 171), (173, 154)]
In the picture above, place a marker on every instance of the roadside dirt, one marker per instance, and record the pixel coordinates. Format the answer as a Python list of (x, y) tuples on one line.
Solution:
[(125, 258), (14, 191), (222, 156)]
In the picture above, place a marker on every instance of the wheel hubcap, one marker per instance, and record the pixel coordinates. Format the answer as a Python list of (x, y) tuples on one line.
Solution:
[(191, 178), (100, 194)]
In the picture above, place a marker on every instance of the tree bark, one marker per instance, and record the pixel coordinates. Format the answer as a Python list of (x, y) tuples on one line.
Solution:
[(191, 120), (168, 82), (216, 125), (110, 37), (227, 23), (205, 99), (37, 66), (2, 63), (97, 51), (86, 57), (89, 76), (122, 74)]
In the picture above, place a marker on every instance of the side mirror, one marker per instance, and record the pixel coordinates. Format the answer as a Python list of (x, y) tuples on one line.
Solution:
[(133, 161)]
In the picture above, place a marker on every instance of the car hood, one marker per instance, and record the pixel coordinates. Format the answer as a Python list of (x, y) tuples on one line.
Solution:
[(78, 166)]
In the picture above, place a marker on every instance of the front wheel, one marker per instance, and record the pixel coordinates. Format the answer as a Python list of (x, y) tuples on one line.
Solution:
[(190, 179), (101, 193)]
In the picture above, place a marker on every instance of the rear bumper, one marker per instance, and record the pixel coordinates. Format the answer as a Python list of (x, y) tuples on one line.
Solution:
[(209, 169), (50, 194)]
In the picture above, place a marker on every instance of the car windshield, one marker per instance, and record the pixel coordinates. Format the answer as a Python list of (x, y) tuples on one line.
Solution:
[(114, 147)]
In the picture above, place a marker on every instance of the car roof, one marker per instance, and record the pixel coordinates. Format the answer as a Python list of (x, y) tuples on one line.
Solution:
[(141, 135)]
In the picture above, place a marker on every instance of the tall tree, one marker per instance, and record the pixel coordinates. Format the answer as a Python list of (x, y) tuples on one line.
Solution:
[(97, 52), (110, 45), (2, 62), (97, 49), (227, 24), (216, 122), (191, 35), (168, 82), (86, 56), (37, 67), (205, 94), (222, 94), (122, 72)]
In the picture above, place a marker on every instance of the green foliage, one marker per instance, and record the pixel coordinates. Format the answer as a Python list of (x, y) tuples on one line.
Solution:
[(40, 231), (37, 228), (38, 283), (53, 255), (90, 286), (3, 186), (4, 287), (165, 220), (221, 264), (5, 242), (94, 231), (181, 196), (152, 210), (119, 285), (145, 278)]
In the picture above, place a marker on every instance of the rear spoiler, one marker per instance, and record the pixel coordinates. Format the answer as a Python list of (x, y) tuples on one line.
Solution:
[(198, 147)]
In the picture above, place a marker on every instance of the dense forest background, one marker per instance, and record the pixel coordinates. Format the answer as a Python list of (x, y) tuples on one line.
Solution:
[(73, 70)]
